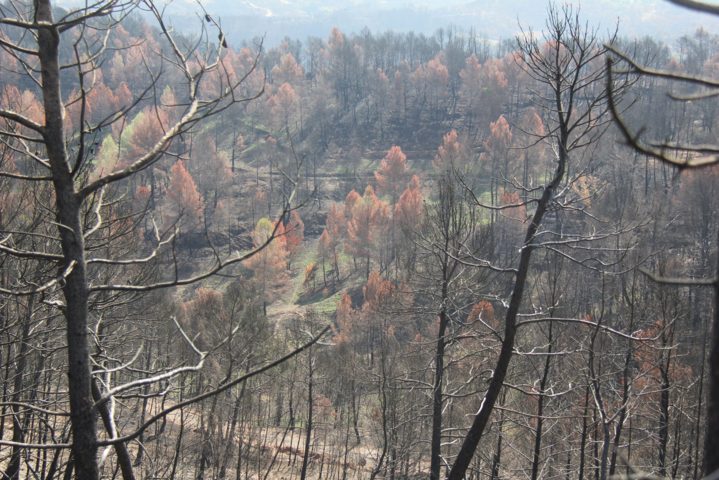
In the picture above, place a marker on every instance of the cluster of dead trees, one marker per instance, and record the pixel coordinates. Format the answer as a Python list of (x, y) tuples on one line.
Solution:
[(528, 299)]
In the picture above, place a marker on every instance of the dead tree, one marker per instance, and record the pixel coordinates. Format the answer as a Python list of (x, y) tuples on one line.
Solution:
[(682, 156), (568, 72), (51, 47)]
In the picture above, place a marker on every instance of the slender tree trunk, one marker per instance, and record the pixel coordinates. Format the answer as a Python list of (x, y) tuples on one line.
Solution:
[(583, 438), (230, 438), (595, 443), (346, 449), (123, 456), (240, 444), (337, 265), (12, 472), (627, 468), (711, 436), (206, 440), (663, 421), (625, 387), (68, 217), (355, 412), (623, 412), (568, 465), (69, 469), (471, 441), (540, 406), (308, 430), (276, 454), (383, 408), (606, 443), (178, 443), (435, 463), (700, 398), (143, 411), (677, 446), (497, 458), (8, 354)]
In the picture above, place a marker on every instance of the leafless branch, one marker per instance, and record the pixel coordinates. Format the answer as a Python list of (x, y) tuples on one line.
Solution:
[(215, 391)]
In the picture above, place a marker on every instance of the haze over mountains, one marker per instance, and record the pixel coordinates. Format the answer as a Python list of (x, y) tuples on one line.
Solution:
[(490, 19)]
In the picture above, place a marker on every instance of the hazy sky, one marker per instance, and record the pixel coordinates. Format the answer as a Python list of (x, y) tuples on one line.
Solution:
[(244, 19), (494, 18)]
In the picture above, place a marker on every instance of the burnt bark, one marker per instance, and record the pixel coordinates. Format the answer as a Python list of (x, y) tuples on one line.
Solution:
[(68, 205), (474, 435)]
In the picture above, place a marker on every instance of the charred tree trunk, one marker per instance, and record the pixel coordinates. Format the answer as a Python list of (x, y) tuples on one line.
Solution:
[(437, 398), (540, 405), (83, 416), (308, 429), (711, 436), (123, 456), (12, 472), (476, 431)]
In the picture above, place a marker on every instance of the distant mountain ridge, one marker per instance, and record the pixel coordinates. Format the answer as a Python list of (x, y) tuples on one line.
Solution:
[(491, 19)]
